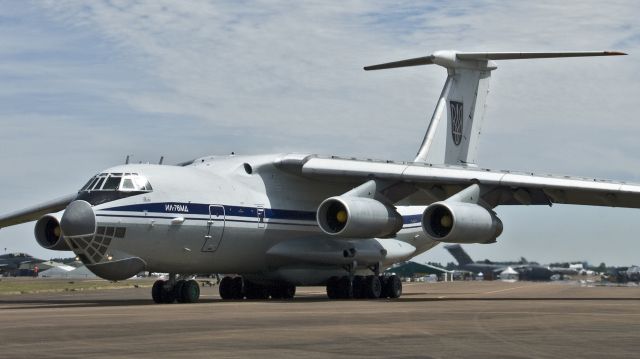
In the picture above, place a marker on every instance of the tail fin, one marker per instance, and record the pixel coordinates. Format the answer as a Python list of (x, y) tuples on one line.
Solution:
[(463, 100), (459, 254)]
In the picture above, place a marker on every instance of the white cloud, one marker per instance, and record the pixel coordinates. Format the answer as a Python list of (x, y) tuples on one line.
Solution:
[(94, 81)]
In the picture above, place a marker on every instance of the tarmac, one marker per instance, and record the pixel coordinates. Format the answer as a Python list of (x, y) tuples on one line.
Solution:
[(437, 320)]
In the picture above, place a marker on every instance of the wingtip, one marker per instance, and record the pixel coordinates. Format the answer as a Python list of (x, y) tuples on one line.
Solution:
[(615, 53)]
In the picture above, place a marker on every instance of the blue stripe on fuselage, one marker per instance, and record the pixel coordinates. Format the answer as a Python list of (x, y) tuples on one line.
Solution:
[(231, 211), (203, 209)]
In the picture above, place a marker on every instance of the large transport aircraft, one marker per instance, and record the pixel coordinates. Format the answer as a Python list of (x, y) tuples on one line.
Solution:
[(491, 270), (286, 220)]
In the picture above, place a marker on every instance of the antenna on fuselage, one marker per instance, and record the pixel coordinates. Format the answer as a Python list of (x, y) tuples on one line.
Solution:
[(161, 159), (126, 161)]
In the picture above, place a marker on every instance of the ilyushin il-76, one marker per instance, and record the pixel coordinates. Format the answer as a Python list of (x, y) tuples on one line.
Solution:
[(269, 223)]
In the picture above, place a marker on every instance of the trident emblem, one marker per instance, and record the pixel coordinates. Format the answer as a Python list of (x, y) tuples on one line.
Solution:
[(456, 121)]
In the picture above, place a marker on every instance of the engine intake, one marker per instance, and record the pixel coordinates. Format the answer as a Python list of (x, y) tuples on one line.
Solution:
[(357, 217), (48, 233), (459, 222)]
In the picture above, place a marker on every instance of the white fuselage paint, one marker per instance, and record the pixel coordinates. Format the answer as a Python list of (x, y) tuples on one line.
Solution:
[(174, 229)]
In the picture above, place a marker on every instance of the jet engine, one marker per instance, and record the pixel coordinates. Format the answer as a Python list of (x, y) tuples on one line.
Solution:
[(48, 233), (460, 222), (357, 217)]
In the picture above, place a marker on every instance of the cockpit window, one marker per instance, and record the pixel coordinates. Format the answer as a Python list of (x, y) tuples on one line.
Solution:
[(127, 184), (98, 185), (84, 188), (122, 182), (112, 183), (106, 187)]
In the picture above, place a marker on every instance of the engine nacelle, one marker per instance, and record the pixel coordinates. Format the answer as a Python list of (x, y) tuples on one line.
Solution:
[(459, 222), (357, 217), (48, 233)]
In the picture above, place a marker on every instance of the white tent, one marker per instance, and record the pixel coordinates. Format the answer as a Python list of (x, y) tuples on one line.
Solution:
[(509, 274), (76, 273)]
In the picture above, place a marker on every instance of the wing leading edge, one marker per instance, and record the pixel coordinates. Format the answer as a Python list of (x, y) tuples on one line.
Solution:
[(37, 211), (432, 183)]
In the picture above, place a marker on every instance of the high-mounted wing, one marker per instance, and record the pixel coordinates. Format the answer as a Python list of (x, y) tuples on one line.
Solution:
[(35, 212), (430, 183)]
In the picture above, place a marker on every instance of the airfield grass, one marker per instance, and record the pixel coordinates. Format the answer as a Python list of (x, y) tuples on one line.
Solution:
[(22, 285)]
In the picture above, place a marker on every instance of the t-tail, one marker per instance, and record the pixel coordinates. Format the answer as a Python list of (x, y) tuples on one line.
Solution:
[(454, 139), (459, 254)]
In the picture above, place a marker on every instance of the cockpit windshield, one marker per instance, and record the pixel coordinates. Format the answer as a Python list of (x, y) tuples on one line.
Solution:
[(123, 182), (106, 187)]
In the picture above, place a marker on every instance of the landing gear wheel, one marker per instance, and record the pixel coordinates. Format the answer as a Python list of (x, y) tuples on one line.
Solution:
[(226, 288), (237, 287), (190, 292), (177, 291), (345, 288), (372, 287), (255, 291), (282, 291), (156, 291), (167, 296), (393, 287), (359, 285), (288, 291), (384, 280), (332, 288)]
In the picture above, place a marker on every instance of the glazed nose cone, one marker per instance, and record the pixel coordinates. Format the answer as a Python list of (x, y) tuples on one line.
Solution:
[(78, 219)]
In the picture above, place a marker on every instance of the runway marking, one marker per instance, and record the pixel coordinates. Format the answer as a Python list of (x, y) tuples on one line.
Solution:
[(509, 289)]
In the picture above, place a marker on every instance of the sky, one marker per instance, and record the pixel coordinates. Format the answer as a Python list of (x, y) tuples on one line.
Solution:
[(84, 84)]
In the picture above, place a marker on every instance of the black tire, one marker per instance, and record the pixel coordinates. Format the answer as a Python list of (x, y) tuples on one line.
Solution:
[(255, 291), (394, 287), (156, 291), (168, 296), (177, 291), (288, 291), (359, 286), (276, 291), (372, 287), (332, 288), (345, 288), (237, 288), (190, 292), (226, 288), (384, 283)]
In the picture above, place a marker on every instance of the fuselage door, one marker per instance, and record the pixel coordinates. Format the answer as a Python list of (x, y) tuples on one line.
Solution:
[(260, 213), (215, 228)]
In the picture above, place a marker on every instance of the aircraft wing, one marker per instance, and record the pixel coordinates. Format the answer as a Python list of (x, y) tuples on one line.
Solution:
[(35, 212), (422, 184)]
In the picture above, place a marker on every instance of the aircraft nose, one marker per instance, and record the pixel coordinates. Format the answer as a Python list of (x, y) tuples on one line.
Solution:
[(78, 219)]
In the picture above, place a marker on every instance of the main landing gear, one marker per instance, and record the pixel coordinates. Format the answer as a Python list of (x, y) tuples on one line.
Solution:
[(364, 287), (239, 288), (172, 290)]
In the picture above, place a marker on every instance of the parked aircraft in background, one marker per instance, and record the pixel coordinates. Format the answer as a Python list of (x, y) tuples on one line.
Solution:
[(490, 270), (285, 220), (11, 262)]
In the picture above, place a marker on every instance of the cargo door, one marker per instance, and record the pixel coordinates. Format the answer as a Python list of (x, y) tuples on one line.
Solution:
[(215, 228)]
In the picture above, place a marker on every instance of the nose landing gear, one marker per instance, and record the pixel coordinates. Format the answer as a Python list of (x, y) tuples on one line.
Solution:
[(170, 291)]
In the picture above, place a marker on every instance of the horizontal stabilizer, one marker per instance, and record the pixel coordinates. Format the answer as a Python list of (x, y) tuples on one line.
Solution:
[(418, 61), (531, 55), (448, 58)]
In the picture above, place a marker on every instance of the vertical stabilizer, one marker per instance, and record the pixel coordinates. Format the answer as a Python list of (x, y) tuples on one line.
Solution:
[(455, 127), (459, 254), (454, 131)]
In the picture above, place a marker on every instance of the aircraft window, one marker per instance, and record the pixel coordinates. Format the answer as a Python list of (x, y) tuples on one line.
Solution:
[(98, 184), (112, 183), (84, 188), (135, 183), (127, 184)]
